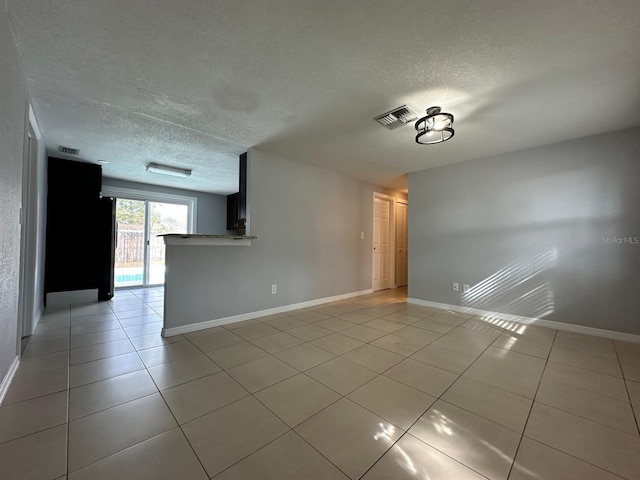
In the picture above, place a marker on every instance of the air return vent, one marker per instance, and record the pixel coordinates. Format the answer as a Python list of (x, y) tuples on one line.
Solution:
[(68, 150), (397, 117)]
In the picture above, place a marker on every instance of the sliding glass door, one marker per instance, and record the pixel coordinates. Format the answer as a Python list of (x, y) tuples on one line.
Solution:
[(139, 256), (163, 218), (130, 240)]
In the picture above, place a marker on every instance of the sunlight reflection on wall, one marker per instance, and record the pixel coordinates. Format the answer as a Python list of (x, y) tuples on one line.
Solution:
[(522, 287)]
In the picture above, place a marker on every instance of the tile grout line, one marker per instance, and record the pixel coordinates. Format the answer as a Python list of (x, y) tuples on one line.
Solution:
[(340, 397), (533, 402), (390, 312), (290, 429), (144, 396), (248, 455), (636, 415), (249, 393), (303, 372), (428, 408), (581, 460), (68, 387), (41, 396), (587, 369), (591, 420), (159, 391), (569, 413)]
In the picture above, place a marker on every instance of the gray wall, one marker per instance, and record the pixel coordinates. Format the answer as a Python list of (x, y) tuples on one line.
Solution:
[(308, 223), (13, 96), (211, 211), (526, 230)]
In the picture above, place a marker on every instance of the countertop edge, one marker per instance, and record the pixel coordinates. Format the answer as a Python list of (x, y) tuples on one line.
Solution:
[(197, 239)]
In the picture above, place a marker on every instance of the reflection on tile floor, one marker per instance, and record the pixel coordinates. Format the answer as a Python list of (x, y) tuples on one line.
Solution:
[(366, 388)]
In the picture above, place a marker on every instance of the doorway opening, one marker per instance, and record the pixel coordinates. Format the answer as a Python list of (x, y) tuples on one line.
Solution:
[(29, 302), (390, 242), (140, 253), (383, 261), (402, 247)]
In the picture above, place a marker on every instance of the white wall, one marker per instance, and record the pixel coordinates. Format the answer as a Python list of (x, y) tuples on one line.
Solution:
[(527, 229), (308, 223), (13, 96)]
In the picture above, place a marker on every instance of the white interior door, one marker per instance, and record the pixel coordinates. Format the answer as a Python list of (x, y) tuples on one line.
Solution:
[(28, 304), (401, 245), (381, 252)]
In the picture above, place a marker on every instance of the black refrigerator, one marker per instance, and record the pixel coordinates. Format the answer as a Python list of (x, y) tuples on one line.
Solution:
[(80, 245)]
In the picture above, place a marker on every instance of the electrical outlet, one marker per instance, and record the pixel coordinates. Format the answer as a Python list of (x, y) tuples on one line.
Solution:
[(361, 235), (465, 288), (456, 287), (273, 289)]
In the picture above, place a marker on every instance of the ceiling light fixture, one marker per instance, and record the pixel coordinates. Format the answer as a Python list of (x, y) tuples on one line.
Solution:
[(435, 127), (166, 170)]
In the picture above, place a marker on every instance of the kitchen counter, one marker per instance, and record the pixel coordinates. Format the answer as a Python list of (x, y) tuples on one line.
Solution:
[(203, 239)]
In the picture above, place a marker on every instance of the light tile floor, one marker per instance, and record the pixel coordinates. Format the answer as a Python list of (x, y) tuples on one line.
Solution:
[(366, 388)]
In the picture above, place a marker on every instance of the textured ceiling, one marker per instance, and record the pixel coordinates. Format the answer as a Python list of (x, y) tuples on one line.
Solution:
[(194, 83)]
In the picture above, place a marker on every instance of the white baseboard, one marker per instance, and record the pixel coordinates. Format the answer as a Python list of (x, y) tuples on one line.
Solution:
[(194, 327), (61, 299), (567, 327), (6, 381)]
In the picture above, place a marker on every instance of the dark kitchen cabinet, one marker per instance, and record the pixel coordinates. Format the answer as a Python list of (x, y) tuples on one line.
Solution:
[(232, 211), (237, 202), (242, 187)]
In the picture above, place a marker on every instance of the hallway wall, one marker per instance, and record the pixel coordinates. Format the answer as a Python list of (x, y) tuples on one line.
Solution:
[(13, 98)]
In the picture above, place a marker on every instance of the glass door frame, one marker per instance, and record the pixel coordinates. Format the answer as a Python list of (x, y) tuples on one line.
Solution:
[(146, 266), (148, 254), (148, 196)]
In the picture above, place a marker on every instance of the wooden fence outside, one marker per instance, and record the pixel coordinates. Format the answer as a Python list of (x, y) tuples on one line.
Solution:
[(130, 248)]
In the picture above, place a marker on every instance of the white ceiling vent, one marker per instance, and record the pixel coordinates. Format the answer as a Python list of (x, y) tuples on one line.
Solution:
[(68, 150), (397, 117)]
